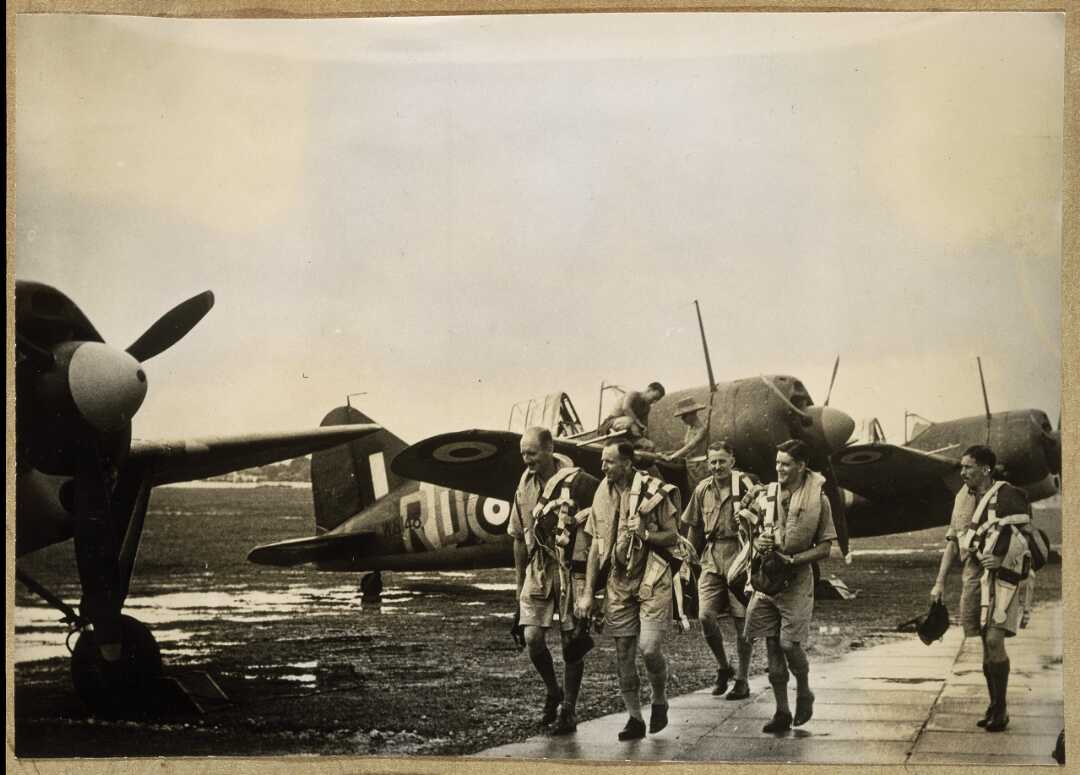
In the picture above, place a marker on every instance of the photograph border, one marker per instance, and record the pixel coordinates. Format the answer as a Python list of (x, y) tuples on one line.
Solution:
[(297, 9)]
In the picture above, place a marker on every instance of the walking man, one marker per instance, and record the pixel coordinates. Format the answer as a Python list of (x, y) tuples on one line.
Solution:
[(712, 519), (547, 536), (796, 528), (995, 561), (632, 526)]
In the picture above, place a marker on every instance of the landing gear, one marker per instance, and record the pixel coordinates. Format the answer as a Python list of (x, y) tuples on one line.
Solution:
[(123, 688), (371, 586)]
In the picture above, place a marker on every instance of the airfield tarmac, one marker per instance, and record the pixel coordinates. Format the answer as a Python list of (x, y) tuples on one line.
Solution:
[(310, 670)]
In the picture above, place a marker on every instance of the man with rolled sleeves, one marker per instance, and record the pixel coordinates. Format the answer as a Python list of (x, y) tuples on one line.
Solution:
[(551, 492), (795, 524), (711, 517), (632, 527), (990, 604)]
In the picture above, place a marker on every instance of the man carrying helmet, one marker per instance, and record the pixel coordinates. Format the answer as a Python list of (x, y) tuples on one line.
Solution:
[(984, 532), (795, 529), (550, 547)]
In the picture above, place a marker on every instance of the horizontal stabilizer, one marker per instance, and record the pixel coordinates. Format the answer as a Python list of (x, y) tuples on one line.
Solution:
[(297, 551), (885, 471), (184, 460)]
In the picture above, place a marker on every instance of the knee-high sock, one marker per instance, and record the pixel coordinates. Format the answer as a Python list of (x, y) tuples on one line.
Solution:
[(800, 668), (779, 690), (999, 675), (715, 641), (541, 659), (745, 650), (656, 669), (572, 673)]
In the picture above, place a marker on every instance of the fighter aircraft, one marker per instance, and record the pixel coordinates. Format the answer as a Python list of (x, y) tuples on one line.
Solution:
[(369, 518), (896, 488), (79, 474), (444, 503)]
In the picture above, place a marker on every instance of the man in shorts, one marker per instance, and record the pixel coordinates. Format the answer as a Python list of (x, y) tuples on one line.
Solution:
[(711, 517), (632, 528), (990, 606), (796, 524), (547, 532)]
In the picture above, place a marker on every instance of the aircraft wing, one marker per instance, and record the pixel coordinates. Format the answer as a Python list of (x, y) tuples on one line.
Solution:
[(484, 462), (297, 551), (181, 461), (885, 471)]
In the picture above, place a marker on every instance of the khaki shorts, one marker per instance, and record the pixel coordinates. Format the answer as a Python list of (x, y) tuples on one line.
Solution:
[(971, 601), (713, 595), (540, 611), (627, 615), (786, 615)]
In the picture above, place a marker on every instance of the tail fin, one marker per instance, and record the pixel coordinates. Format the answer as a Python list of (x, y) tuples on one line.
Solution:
[(348, 478)]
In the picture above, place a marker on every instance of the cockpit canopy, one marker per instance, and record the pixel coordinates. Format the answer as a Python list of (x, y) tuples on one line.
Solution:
[(555, 411)]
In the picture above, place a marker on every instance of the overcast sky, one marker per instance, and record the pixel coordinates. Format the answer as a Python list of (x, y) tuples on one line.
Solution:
[(455, 214)]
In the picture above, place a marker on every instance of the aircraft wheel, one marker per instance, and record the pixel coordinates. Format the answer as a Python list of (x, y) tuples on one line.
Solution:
[(123, 688), (371, 585)]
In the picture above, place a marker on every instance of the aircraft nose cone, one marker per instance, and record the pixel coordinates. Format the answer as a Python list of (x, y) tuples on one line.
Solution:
[(107, 385), (832, 425)]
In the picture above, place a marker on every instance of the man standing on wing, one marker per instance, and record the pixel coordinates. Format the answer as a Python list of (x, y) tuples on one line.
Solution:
[(796, 526), (695, 441), (712, 519), (549, 496), (990, 604), (632, 527)]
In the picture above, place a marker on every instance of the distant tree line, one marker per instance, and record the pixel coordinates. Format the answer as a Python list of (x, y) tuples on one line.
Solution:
[(296, 470)]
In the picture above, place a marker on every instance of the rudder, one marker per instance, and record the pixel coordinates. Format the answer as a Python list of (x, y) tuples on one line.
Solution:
[(348, 478)]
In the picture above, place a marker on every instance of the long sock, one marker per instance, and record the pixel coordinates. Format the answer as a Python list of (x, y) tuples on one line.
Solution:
[(546, 668), (779, 691), (716, 645), (745, 650), (572, 673), (657, 679), (633, 704), (1001, 673)]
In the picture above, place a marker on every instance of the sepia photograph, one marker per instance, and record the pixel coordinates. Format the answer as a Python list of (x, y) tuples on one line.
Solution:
[(614, 387)]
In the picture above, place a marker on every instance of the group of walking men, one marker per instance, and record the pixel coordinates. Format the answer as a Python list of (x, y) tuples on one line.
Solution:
[(576, 536)]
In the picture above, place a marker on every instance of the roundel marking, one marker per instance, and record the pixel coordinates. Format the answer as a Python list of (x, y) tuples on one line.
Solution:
[(495, 512), (464, 452), (861, 457)]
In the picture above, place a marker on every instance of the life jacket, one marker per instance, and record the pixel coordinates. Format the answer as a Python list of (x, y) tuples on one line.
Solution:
[(559, 516), (999, 586), (970, 540)]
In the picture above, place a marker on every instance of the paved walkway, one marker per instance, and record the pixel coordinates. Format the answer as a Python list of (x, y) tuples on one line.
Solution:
[(901, 702)]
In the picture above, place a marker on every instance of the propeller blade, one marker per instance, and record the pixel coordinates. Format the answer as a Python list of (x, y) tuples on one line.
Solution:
[(783, 398), (832, 380), (171, 327), (839, 510)]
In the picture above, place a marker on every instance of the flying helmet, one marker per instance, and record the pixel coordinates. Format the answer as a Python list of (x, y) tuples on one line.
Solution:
[(934, 624)]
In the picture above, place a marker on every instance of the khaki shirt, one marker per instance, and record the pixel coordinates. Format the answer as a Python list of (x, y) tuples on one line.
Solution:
[(1010, 500), (711, 507), (599, 525), (529, 490)]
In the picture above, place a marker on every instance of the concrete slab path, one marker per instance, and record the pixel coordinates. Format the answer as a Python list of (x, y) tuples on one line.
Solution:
[(900, 702)]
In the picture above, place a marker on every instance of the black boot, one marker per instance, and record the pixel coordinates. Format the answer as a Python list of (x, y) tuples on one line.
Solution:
[(634, 730), (781, 722), (723, 676), (990, 690), (999, 677)]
